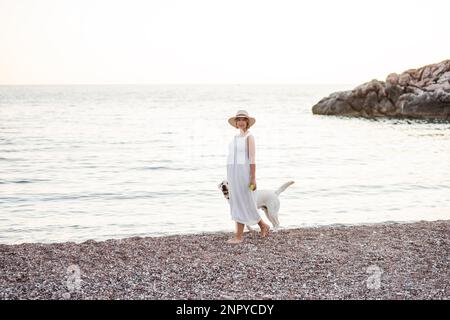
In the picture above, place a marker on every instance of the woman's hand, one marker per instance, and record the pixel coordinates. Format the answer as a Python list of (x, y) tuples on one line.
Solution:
[(253, 182)]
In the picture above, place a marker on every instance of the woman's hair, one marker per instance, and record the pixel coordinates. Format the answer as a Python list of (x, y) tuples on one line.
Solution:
[(246, 120)]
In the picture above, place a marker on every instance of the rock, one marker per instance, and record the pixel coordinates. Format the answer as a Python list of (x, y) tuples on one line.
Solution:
[(392, 79), (422, 93)]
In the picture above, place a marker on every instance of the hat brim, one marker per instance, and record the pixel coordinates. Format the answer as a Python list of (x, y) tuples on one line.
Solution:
[(232, 121)]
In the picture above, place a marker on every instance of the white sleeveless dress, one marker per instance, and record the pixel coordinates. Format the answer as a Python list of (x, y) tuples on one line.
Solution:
[(242, 200)]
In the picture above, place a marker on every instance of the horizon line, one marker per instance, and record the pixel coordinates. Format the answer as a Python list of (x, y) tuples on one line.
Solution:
[(170, 83)]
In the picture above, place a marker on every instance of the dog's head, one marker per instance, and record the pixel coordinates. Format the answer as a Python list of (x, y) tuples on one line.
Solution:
[(223, 186)]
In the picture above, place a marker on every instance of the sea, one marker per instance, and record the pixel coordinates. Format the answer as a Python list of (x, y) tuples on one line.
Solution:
[(81, 162)]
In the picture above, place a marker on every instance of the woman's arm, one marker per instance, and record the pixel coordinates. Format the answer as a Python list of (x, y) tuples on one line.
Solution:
[(251, 155)]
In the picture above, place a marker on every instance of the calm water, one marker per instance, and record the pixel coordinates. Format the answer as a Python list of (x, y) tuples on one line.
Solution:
[(83, 162)]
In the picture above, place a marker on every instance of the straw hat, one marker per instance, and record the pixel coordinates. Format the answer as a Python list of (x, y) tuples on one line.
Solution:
[(241, 114)]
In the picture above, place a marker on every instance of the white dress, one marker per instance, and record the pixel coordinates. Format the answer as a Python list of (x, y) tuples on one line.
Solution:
[(242, 200)]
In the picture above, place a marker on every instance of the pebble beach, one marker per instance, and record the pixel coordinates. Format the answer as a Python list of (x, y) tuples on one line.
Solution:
[(378, 261)]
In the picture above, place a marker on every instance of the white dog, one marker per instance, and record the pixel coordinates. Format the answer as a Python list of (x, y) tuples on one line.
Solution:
[(267, 200)]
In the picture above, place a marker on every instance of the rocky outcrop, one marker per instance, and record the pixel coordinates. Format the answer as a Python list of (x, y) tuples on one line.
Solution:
[(422, 93)]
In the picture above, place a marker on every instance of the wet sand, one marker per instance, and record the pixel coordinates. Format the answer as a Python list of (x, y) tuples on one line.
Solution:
[(381, 261)]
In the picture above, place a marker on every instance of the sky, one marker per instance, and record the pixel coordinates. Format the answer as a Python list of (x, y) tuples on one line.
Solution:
[(216, 42)]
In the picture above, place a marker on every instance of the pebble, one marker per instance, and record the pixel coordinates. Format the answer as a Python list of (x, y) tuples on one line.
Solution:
[(306, 263)]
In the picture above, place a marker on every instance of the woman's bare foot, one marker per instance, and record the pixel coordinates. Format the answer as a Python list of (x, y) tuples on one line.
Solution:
[(235, 240), (265, 231)]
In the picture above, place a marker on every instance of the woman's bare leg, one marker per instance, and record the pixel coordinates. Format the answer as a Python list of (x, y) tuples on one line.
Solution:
[(239, 230), (239, 234), (264, 228)]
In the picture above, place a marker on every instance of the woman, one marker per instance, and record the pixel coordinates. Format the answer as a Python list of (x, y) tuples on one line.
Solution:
[(241, 175)]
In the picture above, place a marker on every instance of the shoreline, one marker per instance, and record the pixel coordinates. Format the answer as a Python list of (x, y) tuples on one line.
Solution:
[(217, 232), (368, 261)]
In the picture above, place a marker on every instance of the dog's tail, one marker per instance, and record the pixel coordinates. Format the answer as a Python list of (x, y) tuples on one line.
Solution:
[(283, 187)]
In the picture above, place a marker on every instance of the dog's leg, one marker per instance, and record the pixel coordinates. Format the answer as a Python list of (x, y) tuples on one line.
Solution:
[(273, 218), (251, 230), (277, 223)]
